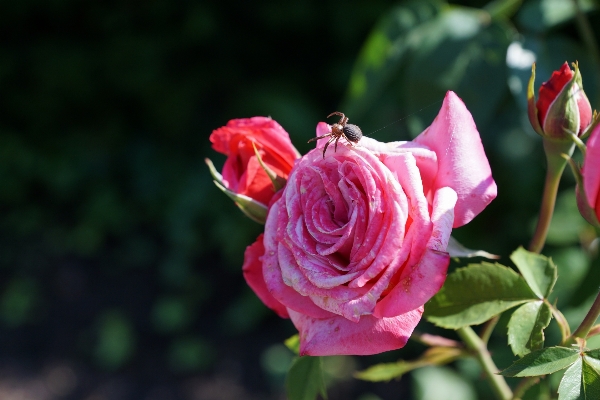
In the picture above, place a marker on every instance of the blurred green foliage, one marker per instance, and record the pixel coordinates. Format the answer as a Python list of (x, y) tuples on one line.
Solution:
[(116, 244)]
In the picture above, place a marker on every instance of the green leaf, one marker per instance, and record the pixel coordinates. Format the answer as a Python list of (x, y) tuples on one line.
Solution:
[(304, 380), (541, 15), (570, 384), (595, 353), (476, 293), (539, 271), (591, 380), (464, 50), (389, 371), (441, 383), (526, 327), (542, 362), (385, 51), (293, 343), (456, 249)]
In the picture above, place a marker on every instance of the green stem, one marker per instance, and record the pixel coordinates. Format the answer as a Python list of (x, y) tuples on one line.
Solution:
[(488, 328), (556, 165), (475, 344), (588, 321)]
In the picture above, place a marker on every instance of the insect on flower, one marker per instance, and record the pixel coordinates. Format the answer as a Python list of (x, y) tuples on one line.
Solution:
[(350, 132)]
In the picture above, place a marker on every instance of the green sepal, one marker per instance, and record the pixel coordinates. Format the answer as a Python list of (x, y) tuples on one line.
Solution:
[(457, 250), (532, 111), (277, 181), (253, 209)]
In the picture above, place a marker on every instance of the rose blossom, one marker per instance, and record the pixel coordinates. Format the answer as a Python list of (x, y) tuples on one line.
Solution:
[(242, 172), (356, 242)]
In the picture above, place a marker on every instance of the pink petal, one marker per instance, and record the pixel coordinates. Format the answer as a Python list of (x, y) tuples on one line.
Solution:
[(252, 270), (462, 164), (418, 283), (272, 272), (591, 170), (339, 336)]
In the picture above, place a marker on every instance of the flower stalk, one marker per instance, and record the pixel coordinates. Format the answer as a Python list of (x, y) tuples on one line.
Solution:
[(474, 343), (588, 322), (556, 163)]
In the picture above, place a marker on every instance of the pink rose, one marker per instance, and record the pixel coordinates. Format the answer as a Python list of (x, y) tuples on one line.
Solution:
[(590, 205), (242, 172), (355, 244)]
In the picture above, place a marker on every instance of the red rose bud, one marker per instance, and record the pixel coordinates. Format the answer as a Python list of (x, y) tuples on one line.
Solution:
[(260, 156), (562, 107)]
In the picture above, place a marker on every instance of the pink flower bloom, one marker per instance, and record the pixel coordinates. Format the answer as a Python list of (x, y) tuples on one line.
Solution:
[(356, 244), (591, 179), (242, 172)]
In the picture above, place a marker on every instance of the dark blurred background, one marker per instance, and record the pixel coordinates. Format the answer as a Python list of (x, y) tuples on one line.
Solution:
[(120, 267)]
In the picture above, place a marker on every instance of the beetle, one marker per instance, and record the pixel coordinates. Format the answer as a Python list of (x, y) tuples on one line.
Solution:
[(350, 132)]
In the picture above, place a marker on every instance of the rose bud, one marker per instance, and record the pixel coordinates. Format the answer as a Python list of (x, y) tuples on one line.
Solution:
[(260, 156), (562, 108)]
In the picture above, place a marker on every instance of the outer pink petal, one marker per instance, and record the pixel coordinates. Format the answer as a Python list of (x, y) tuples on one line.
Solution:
[(339, 336), (420, 282), (591, 170), (252, 269), (462, 164)]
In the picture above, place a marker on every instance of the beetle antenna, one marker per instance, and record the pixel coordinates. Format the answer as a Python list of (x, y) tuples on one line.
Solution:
[(406, 116)]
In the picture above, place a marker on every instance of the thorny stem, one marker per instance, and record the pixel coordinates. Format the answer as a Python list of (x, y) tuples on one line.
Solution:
[(476, 345), (556, 165), (588, 321)]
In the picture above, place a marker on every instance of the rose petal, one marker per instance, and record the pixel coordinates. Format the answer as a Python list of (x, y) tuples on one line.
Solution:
[(338, 336), (272, 272), (591, 170), (252, 270), (418, 283), (462, 164)]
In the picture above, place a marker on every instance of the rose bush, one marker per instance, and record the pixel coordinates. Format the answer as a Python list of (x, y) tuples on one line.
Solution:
[(562, 104), (242, 172), (355, 243)]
